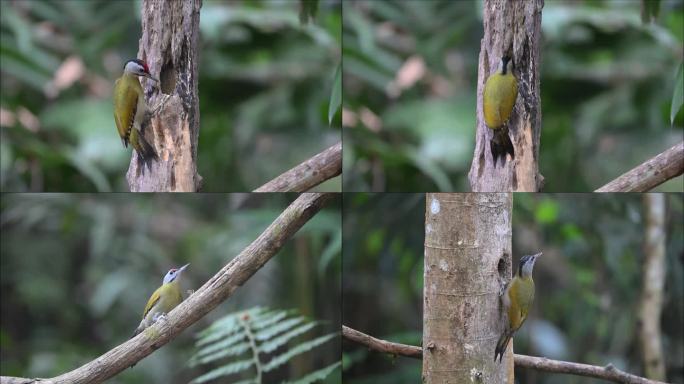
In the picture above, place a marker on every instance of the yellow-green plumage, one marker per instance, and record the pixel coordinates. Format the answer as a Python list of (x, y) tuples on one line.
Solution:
[(163, 300), (500, 94), (517, 300), (129, 113)]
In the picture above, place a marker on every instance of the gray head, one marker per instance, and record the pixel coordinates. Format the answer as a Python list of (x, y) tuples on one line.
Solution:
[(526, 265), (138, 67), (173, 274)]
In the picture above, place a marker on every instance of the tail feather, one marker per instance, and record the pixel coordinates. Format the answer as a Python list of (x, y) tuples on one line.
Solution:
[(502, 344), (501, 145), (144, 149)]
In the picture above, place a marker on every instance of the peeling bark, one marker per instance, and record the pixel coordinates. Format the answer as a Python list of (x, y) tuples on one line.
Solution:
[(467, 261), (169, 45), (511, 28)]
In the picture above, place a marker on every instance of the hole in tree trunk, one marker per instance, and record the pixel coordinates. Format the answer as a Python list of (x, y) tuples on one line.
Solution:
[(168, 78)]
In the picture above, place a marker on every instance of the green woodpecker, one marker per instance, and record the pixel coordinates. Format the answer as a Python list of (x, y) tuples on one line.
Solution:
[(501, 90), (130, 108), (163, 300), (517, 300)]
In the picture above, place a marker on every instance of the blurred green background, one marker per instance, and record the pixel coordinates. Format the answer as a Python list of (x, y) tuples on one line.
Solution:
[(77, 269), (264, 88), (410, 81), (588, 282)]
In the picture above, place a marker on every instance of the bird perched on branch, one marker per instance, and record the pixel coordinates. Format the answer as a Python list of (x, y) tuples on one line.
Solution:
[(130, 108), (163, 300), (500, 93), (517, 299)]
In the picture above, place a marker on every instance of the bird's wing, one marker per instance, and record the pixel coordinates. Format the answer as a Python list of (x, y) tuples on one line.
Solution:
[(125, 106), (153, 300)]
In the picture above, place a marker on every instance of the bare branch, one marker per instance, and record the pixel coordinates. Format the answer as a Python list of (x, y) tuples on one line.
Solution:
[(308, 174), (382, 345), (650, 173), (608, 372), (209, 296)]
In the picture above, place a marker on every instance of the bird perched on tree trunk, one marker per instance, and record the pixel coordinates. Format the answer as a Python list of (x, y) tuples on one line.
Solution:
[(163, 300), (500, 93), (130, 108), (517, 299)]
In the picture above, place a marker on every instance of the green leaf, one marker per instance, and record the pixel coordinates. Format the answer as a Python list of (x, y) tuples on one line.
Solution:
[(225, 370), (316, 375), (678, 95), (335, 95), (299, 349)]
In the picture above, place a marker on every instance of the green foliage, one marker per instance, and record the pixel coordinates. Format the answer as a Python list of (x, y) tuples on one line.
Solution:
[(254, 342), (111, 251), (678, 94), (607, 80), (265, 88)]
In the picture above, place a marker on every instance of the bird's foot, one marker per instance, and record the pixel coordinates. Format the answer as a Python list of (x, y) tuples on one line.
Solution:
[(161, 317)]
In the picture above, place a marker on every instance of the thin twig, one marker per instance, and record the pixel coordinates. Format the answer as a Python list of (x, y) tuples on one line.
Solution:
[(308, 174), (608, 372), (202, 301), (650, 173)]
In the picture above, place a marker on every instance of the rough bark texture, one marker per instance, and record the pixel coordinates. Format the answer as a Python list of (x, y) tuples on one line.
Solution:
[(651, 305), (511, 28), (219, 288), (308, 174), (169, 45), (467, 260), (651, 173)]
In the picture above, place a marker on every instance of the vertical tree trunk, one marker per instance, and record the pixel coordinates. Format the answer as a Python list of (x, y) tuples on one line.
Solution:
[(467, 259), (651, 305), (169, 45), (511, 28)]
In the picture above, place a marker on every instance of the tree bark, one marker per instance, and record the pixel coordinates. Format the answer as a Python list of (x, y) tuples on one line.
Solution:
[(467, 261), (169, 45), (511, 28), (651, 305)]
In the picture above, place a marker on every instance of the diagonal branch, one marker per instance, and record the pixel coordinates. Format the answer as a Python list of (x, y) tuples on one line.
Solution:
[(608, 372), (209, 296), (308, 174), (650, 173)]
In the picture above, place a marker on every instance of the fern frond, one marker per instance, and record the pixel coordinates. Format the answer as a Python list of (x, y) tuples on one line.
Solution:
[(219, 354), (225, 343), (272, 345), (316, 375), (268, 333), (298, 349), (244, 342), (225, 370)]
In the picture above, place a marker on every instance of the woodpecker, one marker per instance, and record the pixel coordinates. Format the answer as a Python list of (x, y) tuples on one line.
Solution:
[(517, 299), (163, 300), (130, 108), (500, 93)]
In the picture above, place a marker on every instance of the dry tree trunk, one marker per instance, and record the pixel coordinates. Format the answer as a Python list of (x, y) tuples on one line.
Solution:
[(169, 45), (511, 28), (651, 305), (467, 257)]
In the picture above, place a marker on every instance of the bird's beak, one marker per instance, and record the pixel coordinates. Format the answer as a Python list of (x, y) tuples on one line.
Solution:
[(181, 269), (149, 76), (537, 255)]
